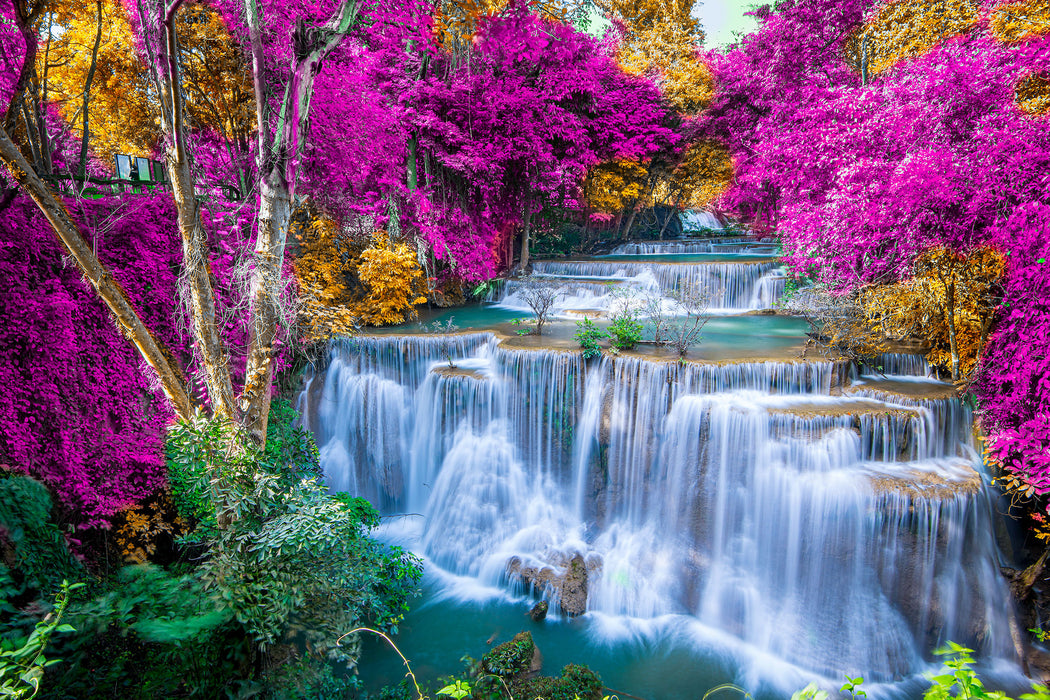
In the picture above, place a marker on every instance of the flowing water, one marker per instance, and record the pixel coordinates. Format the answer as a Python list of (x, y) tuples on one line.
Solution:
[(746, 284), (764, 522)]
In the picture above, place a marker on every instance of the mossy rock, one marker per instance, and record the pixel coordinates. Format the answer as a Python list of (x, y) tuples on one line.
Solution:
[(575, 682), (510, 658)]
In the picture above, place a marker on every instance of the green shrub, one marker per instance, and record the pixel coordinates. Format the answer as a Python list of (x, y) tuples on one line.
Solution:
[(589, 336), (510, 658), (290, 558), (626, 332), (41, 556), (575, 683)]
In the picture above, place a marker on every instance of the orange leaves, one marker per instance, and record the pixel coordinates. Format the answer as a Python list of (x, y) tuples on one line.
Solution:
[(393, 282), (345, 283), (1017, 21), (1033, 93), (323, 268), (218, 88), (121, 119), (661, 43), (141, 528), (610, 187), (215, 77), (703, 175), (964, 287), (903, 29)]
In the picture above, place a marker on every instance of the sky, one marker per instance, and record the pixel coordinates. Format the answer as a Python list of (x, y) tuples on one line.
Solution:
[(720, 18)]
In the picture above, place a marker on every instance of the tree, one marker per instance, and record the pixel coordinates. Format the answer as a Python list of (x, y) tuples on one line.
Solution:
[(949, 303), (280, 157), (541, 295)]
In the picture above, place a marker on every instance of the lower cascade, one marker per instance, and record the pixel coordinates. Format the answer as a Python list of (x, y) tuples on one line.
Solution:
[(808, 511)]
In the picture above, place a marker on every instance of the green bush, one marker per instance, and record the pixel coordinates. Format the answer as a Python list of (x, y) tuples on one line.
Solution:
[(589, 336), (41, 557), (575, 683), (288, 558), (510, 658), (626, 332)]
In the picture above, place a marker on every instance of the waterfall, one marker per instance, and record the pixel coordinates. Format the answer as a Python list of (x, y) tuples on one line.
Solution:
[(762, 500), (589, 284)]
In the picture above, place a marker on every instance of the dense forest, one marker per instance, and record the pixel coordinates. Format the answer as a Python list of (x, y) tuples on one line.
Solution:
[(200, 196)]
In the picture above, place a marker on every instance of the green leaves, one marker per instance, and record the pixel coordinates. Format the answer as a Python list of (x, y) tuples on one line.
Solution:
[(289, 558), (810, 692), (458, 690), (22, 667), (589, 336), (852, 686)]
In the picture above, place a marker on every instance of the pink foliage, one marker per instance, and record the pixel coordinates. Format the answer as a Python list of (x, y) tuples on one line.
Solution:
[(858, 180), (79, 413)]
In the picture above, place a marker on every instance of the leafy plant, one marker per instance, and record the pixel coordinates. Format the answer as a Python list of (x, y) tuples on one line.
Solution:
[(286, 557), (625, 332), (458, 690), (524, 326), (22, 667), (810, 692), (852, 686), (626, 328), (961, 677), (510, 658), (589, 336)]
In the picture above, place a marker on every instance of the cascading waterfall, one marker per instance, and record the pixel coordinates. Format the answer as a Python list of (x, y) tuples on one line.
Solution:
[(759, 499), (588, 284)]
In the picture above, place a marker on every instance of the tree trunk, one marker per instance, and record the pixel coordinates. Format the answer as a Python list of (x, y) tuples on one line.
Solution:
[(864, 60), (626, 232), (68, 233), (526, 220), (25, 20), (278, 171), (410, 165), (82, 168), (949, 313), (213, 355)]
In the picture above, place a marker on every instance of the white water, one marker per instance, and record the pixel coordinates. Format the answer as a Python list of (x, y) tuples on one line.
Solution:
[(828, 532), (583, 285)]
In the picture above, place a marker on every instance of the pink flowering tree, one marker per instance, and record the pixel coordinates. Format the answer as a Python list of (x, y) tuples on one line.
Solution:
[(861, 174)]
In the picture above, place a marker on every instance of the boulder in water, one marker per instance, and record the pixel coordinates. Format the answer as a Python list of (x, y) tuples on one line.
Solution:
[(574, 587), (570, 585), (539, 611)]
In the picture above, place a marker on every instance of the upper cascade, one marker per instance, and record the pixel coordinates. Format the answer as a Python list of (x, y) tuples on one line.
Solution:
[(727, 285), (802, 507)]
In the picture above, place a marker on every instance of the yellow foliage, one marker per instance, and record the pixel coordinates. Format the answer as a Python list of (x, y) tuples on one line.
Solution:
[(1016, 21), (215, 77), (1033, 93), (904, 29), (661, 43), (142, 526), (946, 285), (703, 175), (393, 282), (121, 118), (610, 187), (324, 270), (345, 283), (122, 107)]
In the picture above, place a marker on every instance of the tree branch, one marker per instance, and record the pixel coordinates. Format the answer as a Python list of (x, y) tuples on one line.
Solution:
[(69, 234)]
